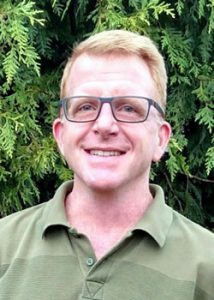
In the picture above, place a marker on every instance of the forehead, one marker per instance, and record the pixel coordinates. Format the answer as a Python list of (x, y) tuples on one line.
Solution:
[(110, 70)]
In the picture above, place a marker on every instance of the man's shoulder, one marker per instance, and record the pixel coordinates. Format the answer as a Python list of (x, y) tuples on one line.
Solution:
[(192, 233), (18, 221), (21, 227)]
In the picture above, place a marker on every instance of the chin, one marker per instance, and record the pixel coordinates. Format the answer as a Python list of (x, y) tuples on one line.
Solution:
[(100, 180), (105, 184)]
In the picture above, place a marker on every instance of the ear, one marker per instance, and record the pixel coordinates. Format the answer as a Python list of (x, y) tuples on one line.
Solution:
[(58, 134), (164, 135)]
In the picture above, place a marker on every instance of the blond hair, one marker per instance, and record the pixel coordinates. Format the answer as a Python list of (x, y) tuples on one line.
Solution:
[(126, 43)]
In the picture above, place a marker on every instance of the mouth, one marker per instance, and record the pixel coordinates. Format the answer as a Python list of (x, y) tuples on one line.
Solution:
[(105, 153), (102, 152)]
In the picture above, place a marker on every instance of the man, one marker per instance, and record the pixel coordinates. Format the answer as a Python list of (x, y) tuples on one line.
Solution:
[(108, 234)]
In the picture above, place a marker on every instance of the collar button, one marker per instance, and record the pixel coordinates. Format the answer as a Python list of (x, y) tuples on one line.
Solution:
[(89, 261)]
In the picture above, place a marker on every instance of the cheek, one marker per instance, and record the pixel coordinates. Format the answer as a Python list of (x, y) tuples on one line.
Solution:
[(74, 135), (147, 139)]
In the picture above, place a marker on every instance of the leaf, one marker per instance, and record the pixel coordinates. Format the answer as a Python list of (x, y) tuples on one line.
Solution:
[(209, 162), (7, 138), (11, 65), (205, 116)]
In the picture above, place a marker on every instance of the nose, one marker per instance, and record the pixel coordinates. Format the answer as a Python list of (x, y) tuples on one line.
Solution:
[(106, 125)]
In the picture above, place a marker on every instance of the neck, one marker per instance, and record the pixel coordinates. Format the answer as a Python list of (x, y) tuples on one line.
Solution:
[(109, 214)]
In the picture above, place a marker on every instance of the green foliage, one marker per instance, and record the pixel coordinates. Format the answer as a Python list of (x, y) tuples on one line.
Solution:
[(35, 40), (17, 23), (137, 16), (61, 8)]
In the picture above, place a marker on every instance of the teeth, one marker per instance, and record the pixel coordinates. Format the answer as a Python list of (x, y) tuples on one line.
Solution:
[(105, 153)]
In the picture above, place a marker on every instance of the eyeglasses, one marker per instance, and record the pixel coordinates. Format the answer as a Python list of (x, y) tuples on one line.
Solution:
[(128, 109)]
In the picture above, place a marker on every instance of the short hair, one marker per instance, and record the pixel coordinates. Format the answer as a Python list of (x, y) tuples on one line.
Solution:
[(126, 43)]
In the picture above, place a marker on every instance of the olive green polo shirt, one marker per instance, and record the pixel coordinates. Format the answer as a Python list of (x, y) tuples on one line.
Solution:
[(164, 257)]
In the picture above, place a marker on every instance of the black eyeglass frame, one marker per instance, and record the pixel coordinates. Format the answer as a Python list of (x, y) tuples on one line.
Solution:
[(151, 102)]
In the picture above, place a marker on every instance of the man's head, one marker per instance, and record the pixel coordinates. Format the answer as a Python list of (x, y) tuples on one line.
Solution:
[(113, 128), (123, 43)]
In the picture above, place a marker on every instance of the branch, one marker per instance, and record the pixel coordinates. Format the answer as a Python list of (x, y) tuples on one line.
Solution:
[(172, 190), (200, 179)]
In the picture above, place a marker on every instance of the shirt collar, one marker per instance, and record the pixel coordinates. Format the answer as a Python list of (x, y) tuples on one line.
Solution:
[(158, 218), (156, 221), (54, 212)]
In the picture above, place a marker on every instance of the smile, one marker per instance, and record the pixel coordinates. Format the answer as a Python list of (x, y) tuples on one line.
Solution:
[(105, 153)]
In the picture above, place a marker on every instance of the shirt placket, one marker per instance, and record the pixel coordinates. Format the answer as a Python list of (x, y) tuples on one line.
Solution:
[(94, 272)]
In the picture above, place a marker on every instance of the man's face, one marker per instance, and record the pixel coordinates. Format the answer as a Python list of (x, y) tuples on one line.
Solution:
[(106, 154)]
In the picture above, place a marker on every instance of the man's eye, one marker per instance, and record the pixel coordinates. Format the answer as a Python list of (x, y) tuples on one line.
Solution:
[(86, 107), (127, 109)]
